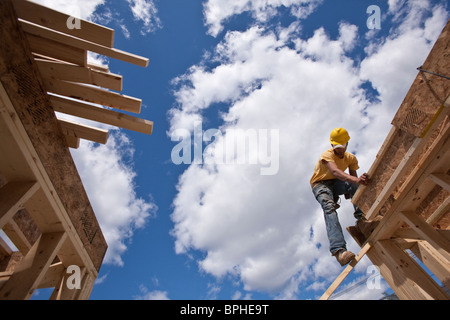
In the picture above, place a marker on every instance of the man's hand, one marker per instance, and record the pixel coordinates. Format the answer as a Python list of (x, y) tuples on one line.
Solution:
[(364, 179)]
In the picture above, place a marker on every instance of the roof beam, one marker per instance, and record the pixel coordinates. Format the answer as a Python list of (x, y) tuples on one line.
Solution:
[(111, 117), (56, 20), (50, 34), (94, 95), (74, 73), (82, 131)]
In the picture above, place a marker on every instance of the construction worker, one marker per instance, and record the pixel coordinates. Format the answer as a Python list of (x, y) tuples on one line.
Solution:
[(329, 181)]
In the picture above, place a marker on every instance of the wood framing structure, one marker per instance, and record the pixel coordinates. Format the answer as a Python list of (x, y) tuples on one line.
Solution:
[(44, 209), (409, 193)]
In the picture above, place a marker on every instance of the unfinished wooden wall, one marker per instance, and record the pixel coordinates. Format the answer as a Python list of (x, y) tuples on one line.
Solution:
[(409, 191)]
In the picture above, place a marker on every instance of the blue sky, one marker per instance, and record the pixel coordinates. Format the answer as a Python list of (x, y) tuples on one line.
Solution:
[(295, 68)]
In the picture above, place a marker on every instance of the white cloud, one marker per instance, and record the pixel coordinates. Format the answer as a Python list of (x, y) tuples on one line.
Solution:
[(151, 295), (78, 8), (145, 11), (108, 180), (265, 230), (216, 12), (268, 231)]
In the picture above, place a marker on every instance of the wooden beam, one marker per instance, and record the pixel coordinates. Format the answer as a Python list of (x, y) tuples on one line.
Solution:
[(72, 141), (378, 159), (5, 250), (14, 195), (346, 271), (86, 287), (403, 274), (439, 212), (63, 292), (36, 30), (410, 235), (433, 260), (57, 50), (83, 131), (56, 20), (98, 67), (94, 95), (441, 179), (395, 178), (427, 232), (16, 235), (32, 269), (87, 111), (74, 73), (52, 276)]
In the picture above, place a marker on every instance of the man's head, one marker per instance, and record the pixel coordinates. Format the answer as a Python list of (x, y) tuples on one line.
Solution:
[(339, 138)]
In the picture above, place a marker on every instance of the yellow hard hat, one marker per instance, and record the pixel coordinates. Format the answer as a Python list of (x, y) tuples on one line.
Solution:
[(339, 136)]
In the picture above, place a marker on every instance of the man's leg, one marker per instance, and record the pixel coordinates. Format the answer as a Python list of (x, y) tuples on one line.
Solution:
[(324, 195), (348, 189)]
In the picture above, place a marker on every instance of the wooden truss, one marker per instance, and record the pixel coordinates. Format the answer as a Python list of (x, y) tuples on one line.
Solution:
[(410, 189), (74, 85), (44, 209)]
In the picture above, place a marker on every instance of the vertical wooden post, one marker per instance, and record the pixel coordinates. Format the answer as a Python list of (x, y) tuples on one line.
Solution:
[(32, 269)]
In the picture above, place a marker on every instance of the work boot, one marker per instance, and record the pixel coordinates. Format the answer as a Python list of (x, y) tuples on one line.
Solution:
[(344, 257), (366, 227)]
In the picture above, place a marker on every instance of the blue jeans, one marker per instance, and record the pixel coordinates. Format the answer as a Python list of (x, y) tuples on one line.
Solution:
[(327, 193)]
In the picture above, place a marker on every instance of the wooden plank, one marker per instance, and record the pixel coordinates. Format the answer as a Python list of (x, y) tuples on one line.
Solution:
[(72, 141), (74, 73), (83, 110), (63, 292), (408, 280), (433, 260), (98, 67), (36, 30), (14, 195), (346, 272), (439, 212), (395, 178), (441, 179), (5, 250), (57, 50), (52, 276), (86, 287), (83, 131), (378, 158), (427, 232), (16, 235), (32, 269), (94, 95), (56, 20)]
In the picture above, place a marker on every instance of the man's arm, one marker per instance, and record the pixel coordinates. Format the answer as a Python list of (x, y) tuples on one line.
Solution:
[(352, 177)]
